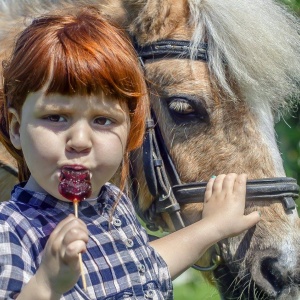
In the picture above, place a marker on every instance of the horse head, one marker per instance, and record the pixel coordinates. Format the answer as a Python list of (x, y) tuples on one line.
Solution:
[(219, 73)]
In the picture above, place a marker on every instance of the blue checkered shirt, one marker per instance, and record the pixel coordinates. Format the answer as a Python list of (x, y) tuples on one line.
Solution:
[(118, 264)]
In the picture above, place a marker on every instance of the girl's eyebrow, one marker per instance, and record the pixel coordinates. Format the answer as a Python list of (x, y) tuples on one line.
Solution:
[(98, 108), (51, 106)]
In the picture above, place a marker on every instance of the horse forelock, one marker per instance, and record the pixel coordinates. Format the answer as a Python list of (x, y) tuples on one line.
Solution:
[(253, 44)]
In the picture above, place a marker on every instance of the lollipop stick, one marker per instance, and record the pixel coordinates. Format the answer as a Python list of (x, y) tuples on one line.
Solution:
[(75, 202)]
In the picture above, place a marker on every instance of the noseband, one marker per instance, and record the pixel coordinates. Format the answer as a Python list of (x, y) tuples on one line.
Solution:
[(161, 175)]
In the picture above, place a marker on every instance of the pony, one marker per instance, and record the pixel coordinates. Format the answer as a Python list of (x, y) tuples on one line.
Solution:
[(220, 74)]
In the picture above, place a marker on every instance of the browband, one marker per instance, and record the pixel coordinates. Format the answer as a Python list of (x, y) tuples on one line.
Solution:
[(171, 49)]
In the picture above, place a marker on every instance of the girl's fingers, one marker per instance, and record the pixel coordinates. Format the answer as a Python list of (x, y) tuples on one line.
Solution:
[(56, 236), (208, 191), (240, 184), (228, 182), (75, 234), (61, 224), (72, 251), (252, 219), (67, 231), (218, 184), (71, 223)]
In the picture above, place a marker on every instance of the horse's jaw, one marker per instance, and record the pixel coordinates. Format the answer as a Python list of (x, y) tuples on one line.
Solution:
[(253, 270)]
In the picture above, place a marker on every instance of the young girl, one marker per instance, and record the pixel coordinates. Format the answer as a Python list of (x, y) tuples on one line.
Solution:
[(74, 96)]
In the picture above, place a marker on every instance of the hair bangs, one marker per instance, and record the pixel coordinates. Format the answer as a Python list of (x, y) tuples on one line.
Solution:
[(82, 66)]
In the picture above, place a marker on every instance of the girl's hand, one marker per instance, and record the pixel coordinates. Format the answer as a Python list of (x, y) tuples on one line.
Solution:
[(223, 216), (60, 269), (224, 205)]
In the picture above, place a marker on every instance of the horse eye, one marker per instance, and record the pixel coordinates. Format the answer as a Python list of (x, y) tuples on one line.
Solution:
[(181, 107), (185, 110)]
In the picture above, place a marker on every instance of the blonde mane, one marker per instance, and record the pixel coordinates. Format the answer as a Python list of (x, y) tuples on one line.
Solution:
[(260, 44)]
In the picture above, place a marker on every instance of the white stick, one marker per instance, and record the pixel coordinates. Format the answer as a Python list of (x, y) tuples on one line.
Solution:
[(75, 202)]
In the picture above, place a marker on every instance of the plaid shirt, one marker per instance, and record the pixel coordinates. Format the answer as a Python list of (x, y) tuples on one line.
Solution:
[(118, 264)]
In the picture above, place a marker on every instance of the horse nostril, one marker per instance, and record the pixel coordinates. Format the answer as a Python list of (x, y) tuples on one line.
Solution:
[(272, 273)]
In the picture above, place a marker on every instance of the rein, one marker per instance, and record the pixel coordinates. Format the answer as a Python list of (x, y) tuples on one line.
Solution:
[(162, 178)]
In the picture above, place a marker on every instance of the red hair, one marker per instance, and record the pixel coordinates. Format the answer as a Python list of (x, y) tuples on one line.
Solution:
[(74, 52)]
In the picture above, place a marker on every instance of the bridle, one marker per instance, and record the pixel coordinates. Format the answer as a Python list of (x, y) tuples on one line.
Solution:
[(11, 170), (161, 175), (169, 193)]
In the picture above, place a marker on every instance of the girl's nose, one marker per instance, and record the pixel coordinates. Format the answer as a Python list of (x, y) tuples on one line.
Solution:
[(79, 138)]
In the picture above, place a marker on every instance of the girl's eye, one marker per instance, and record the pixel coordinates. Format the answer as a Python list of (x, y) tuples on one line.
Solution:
[(103, 121), (55, 118)]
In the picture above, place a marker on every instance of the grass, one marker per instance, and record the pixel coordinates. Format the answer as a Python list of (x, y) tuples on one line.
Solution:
[(192, 286)]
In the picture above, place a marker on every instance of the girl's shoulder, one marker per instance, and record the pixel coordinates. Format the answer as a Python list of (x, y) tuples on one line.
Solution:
[(13, 225), (9, 212)]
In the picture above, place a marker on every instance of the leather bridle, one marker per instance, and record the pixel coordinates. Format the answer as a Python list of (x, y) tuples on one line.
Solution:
[(161, 175), (11, 170), (169, 193)]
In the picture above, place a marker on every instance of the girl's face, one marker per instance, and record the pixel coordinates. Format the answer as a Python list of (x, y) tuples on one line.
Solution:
[(82, 131)]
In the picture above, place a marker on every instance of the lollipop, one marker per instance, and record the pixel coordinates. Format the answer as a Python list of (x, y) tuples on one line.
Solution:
[(75, 185)]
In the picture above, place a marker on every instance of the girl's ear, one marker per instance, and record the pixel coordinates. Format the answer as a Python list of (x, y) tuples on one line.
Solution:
[(14, 128)]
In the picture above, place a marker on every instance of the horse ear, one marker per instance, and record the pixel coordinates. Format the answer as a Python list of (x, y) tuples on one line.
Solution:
[(14, 128)]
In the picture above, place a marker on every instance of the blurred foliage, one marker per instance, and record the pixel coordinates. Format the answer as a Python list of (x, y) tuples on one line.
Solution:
[(194, 287), (293, 4), (288, 131)]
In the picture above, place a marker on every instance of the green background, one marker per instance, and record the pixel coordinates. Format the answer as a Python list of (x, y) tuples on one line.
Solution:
[(190, 285)]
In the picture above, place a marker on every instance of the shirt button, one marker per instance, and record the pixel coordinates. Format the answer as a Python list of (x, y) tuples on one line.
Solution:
[(129, 243), (141, 268), (149, 294), (117, 222)]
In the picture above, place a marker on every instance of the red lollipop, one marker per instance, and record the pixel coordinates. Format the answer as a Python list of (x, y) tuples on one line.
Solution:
[(75, 185)]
